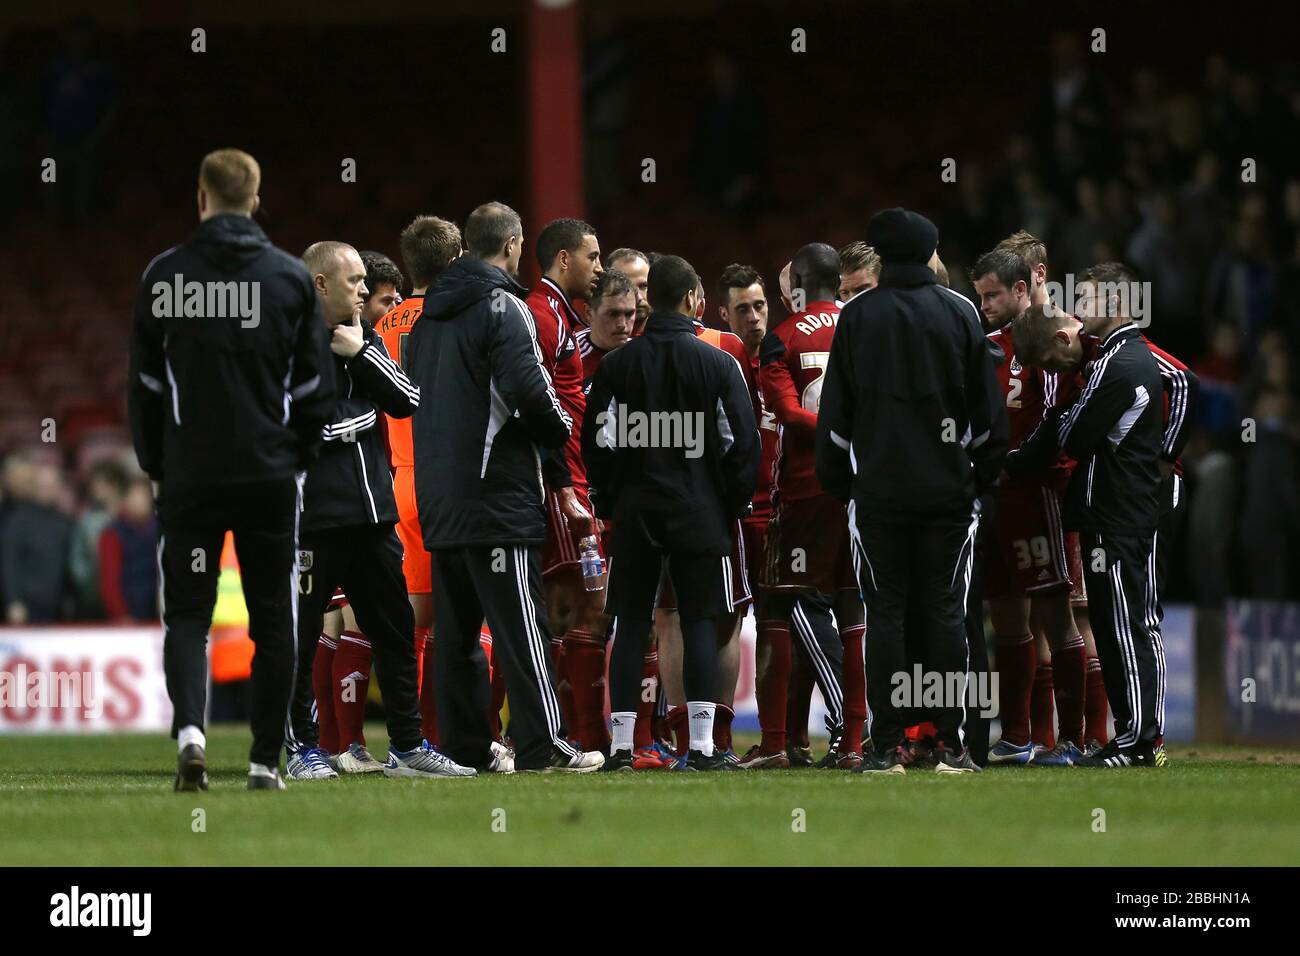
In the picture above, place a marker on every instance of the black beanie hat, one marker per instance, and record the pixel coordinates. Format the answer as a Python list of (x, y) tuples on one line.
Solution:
[(900, 235)]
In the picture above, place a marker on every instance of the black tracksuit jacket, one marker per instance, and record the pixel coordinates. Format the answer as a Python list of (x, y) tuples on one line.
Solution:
[(911, 421), (351, 484), (230, 400), (697, 497), (487, 409), (1115, 433)]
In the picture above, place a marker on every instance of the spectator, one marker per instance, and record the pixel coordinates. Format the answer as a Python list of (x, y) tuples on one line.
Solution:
[(34, 543), (108, 486), (128, 557)]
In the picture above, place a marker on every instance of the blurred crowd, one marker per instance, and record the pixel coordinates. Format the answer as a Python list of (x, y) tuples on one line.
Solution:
[(79, 554)]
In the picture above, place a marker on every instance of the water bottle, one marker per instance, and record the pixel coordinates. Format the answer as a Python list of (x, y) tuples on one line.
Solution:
[(593, 565)]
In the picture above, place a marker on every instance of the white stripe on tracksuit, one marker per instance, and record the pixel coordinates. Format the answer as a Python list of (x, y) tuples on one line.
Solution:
[(832, 692), (1153, 627), (290, 741), (1124, 636), (968, 546), (537, 648)]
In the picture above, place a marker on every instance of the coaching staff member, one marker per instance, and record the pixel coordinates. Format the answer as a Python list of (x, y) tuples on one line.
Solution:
[(672, 450), (230, 384), (487, 406), (349, 539), (911, 431), (1115, 433)]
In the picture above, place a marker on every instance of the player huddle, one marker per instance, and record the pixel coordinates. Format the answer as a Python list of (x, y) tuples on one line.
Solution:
[(790, 557), (457, 398)]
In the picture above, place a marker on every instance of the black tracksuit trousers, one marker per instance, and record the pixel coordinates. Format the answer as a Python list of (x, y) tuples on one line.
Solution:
[(194, 522), (504, 584), (366, 561), (923, 565), (1124, 609)]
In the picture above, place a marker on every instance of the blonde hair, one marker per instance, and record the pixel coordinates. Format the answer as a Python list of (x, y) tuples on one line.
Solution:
[(232, 178)]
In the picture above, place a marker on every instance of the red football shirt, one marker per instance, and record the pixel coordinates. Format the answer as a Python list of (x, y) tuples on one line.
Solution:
[(556, 319), (1028, 393), (794, 357)]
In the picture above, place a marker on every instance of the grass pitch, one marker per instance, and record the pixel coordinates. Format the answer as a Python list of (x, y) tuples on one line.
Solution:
[(108, 801)]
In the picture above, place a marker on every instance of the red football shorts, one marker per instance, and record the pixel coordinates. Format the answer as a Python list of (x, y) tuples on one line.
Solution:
[(808, 547), (1027, 550), (563, 547)]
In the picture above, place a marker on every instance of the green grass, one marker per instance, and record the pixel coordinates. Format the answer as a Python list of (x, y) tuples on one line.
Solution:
[(108, 800)]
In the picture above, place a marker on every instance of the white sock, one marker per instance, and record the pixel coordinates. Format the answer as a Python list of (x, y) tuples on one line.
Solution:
[(258, 768), (701, 718), (622, 726), (190, 735)]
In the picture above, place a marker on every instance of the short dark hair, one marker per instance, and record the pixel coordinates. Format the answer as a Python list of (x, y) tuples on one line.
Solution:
[(1007, 266), (738, 276), (381, 270), (623, 252), (558, 235), (612, 282), (427, 245), (818, 267), (488, 227), (1115, 278), (1112, 272), (671, 277)]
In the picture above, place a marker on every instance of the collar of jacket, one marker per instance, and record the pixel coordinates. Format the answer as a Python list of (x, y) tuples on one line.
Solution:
[(907, 274), (571, 314), (1127, 330), (494, 274), (668, 322)]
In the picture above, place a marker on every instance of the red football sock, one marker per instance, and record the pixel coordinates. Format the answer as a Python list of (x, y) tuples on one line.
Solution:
[(497, 683), (643, 733), (773, 683), (322, 682), (1069, 683), (584, 660), (1095, 704), (1015, 665), (722, 718), (563, 686), (799, 700), (428, 705), (1042, 729), (679, 726), (855, 689), (351, 682)]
